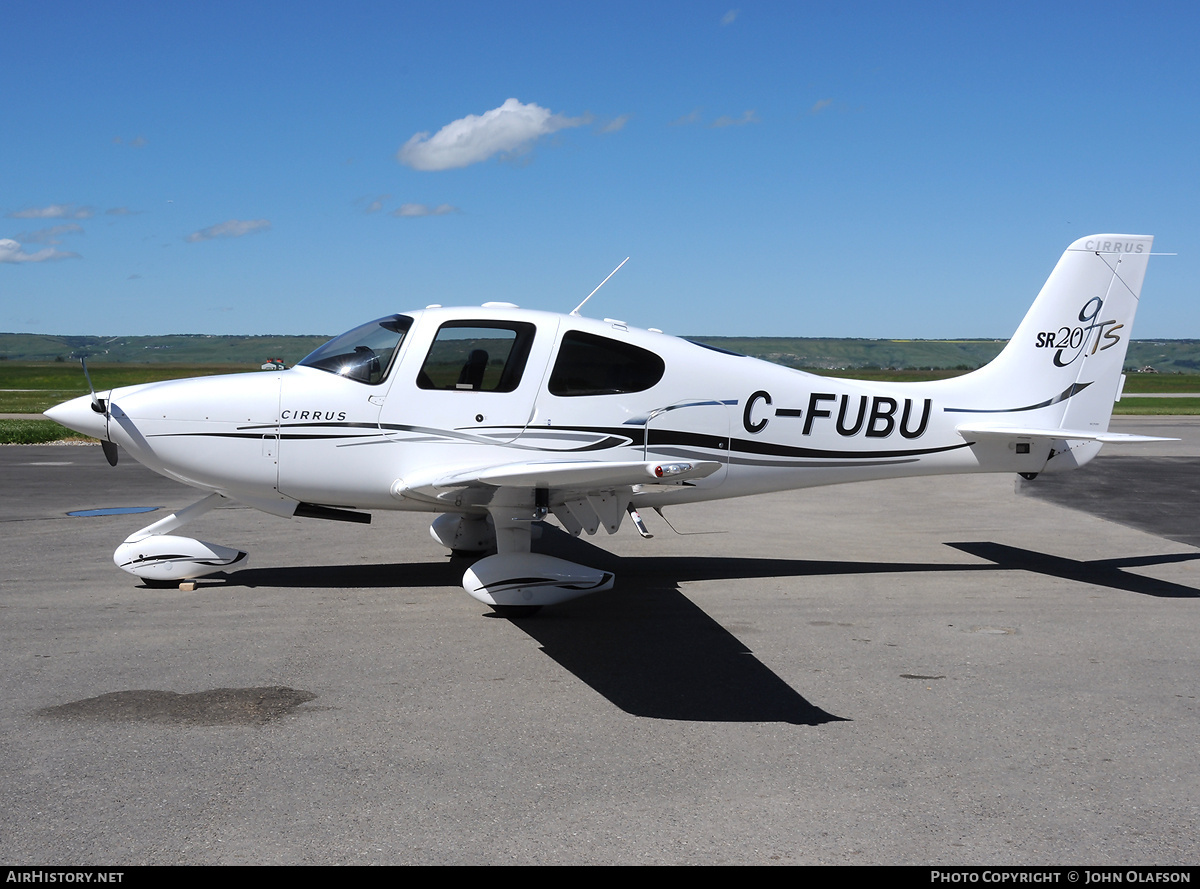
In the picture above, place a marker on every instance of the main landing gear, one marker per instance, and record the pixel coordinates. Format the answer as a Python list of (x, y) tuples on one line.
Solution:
[(514, 580)]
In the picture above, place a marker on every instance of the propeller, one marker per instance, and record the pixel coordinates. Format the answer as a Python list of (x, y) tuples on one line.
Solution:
[(101, 406)]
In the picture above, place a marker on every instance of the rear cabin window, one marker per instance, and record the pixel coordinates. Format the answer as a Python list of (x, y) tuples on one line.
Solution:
[(477, 356), (594, 365)]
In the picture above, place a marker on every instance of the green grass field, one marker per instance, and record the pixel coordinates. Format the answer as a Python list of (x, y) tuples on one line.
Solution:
[(1157, 406), (1165, 383), (35, 432), (31, 388)]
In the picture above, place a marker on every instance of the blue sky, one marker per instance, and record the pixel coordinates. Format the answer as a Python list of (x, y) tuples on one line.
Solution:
[(788, 169)]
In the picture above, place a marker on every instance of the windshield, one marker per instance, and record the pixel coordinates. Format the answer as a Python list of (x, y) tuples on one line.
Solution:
[(364, 353)]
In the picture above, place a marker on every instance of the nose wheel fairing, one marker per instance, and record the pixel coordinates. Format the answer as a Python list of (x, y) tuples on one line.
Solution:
[(153, 553), (167, 557)]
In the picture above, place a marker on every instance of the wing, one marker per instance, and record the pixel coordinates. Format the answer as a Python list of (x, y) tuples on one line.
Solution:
[(583, 494), (581, 474)]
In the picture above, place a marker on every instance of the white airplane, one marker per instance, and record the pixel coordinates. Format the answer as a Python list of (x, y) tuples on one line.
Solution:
[(497, 417)]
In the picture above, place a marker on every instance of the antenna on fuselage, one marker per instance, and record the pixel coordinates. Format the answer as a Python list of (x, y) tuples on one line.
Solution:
[(575, 311)]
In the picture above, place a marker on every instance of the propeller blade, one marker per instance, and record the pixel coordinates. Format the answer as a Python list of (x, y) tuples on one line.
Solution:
[(100, 406)]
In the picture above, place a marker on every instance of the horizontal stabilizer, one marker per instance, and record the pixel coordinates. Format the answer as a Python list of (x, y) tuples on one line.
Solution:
[(969, 431)]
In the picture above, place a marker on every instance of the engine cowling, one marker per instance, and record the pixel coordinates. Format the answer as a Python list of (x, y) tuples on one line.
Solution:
[(166, 557)]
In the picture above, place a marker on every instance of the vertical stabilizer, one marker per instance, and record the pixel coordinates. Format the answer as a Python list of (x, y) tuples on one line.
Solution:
[(1063, 366)]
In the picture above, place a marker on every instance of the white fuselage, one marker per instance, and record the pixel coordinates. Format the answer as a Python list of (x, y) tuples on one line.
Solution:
[(309, 435), (498, 417)]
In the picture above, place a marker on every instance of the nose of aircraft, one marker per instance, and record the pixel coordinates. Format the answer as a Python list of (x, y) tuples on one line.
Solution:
[(79, 415)]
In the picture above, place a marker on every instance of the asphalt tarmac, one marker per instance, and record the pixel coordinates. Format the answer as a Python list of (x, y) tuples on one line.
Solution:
[(962, 670)]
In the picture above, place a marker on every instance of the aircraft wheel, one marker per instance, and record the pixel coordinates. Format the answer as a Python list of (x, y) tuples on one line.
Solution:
[(153, 584), (515, 611)]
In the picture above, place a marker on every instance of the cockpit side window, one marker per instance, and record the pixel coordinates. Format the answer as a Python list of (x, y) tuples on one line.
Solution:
[(594, 365), (477, 356), (363, 354)]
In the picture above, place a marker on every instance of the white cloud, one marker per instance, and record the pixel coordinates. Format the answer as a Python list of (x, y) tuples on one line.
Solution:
[(10, 251), (475, 138), (52, 235), (726, 121), (689, 118), (820, 105), (234, 228), (730, 17), (54, 211), (376, 205), (424, 210), (616, 124)]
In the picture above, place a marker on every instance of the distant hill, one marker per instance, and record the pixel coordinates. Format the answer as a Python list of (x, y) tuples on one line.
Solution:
[(173, 349), (1166, 356)]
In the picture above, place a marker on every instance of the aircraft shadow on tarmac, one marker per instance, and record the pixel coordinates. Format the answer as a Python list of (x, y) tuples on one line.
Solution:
[(652, 652), (645, 646)]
